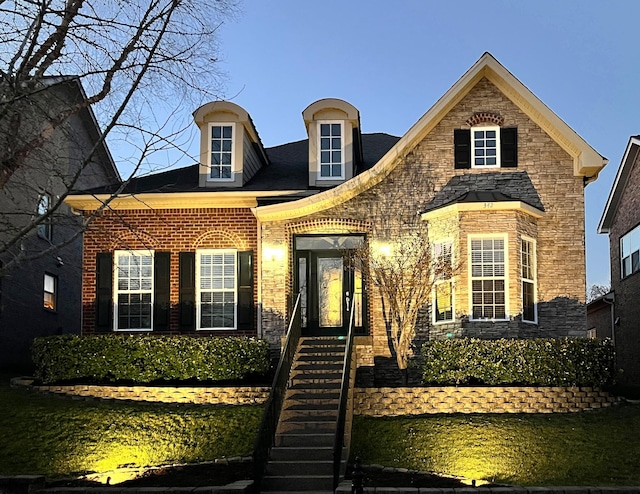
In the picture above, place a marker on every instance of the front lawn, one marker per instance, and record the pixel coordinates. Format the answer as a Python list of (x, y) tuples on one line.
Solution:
[(61, 437), (591, 448)]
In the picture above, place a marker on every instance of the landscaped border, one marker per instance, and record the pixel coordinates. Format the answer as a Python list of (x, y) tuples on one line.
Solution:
[(376, 402), (380, 402), (223, 395)]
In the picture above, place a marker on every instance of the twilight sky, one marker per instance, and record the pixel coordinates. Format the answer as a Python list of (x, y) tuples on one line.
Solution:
[(393, 60)]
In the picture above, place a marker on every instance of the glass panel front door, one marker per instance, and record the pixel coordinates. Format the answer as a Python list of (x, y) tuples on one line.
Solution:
[(330, 291), (328, 281)]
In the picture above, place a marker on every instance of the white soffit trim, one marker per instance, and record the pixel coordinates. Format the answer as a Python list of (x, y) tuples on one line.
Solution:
[(176, 200), (482, 206)]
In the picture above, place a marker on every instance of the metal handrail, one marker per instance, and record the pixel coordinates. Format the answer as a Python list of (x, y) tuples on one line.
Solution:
[(348, 375), (267, 431)]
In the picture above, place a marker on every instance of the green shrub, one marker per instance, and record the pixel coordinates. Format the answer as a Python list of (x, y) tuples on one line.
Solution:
[(542, 362), (146, 358)]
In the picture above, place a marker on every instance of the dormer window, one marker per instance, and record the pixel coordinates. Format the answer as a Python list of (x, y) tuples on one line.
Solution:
[(221, 152), (331, 150)]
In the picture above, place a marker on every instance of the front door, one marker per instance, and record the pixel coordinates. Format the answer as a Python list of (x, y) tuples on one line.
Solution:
[(328, 282)]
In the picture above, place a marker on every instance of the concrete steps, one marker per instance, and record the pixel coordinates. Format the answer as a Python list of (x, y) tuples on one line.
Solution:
[(302, 458)]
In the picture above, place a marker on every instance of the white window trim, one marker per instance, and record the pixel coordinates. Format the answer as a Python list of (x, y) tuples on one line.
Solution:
[(473, 147), (634, 232), (504, 236), (440, 281), (53, 292), (342, 150), (234, 150), (200, 252), (117, 254), (534, 281)]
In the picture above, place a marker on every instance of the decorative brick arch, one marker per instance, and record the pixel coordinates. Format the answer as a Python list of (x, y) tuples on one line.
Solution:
[(220, 239), (329, 225), (134, 240), (485, 117)]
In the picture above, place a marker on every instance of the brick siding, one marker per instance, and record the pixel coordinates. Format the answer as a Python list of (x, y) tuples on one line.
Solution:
[(168, 230)]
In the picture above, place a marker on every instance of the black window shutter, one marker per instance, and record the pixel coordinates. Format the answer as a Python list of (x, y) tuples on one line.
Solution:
[(245, 290), (187, 287), (161, 290), (509, 147), (462, 148), (104, 291)]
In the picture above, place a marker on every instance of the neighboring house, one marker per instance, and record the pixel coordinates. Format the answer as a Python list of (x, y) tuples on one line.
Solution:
[(621, 221), (223, 246), (42, 297), (601, 317)]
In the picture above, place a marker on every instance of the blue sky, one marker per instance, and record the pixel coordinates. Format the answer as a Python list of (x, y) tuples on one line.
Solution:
[(393, 60)]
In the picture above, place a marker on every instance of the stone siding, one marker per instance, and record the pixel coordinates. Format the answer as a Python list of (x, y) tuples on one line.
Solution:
[(413, 183), (383, 402)]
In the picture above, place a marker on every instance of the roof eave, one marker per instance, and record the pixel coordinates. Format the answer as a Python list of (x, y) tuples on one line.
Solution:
[(174, 200), (619, 184)]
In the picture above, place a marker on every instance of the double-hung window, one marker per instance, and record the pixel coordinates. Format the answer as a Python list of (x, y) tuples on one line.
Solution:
[(216, 284), (133, 290), (331, 152), (443, 285), (630, 253), (528, 260), (50, 301), (488, 278), (221, 152)]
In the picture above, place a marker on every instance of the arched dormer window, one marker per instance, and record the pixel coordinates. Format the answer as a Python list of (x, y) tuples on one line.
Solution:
[(230, 149), (333, 126)]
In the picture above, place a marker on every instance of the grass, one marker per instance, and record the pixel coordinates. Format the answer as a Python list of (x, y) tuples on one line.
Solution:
[(60, 437), (591, 448)]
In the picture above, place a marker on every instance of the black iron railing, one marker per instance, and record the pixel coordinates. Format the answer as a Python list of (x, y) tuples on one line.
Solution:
[(267, 432), (345, 407)]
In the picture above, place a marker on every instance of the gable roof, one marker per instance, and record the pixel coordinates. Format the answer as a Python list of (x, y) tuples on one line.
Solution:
[(619, 184), (74, 87), (586, 161)]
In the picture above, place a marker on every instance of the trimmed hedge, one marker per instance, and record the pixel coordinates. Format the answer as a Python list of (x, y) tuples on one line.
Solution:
[(530, 362), (145, 358)]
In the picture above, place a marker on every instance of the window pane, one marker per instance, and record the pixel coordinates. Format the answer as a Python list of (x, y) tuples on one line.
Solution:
[(216, 132), (226, 132), (325, 157), (325, 143), (217, 297), (335, 129), (324, 130)]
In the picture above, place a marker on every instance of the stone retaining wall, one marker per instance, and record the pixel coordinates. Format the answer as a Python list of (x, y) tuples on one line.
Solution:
[(378, 402), (165, 394)]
